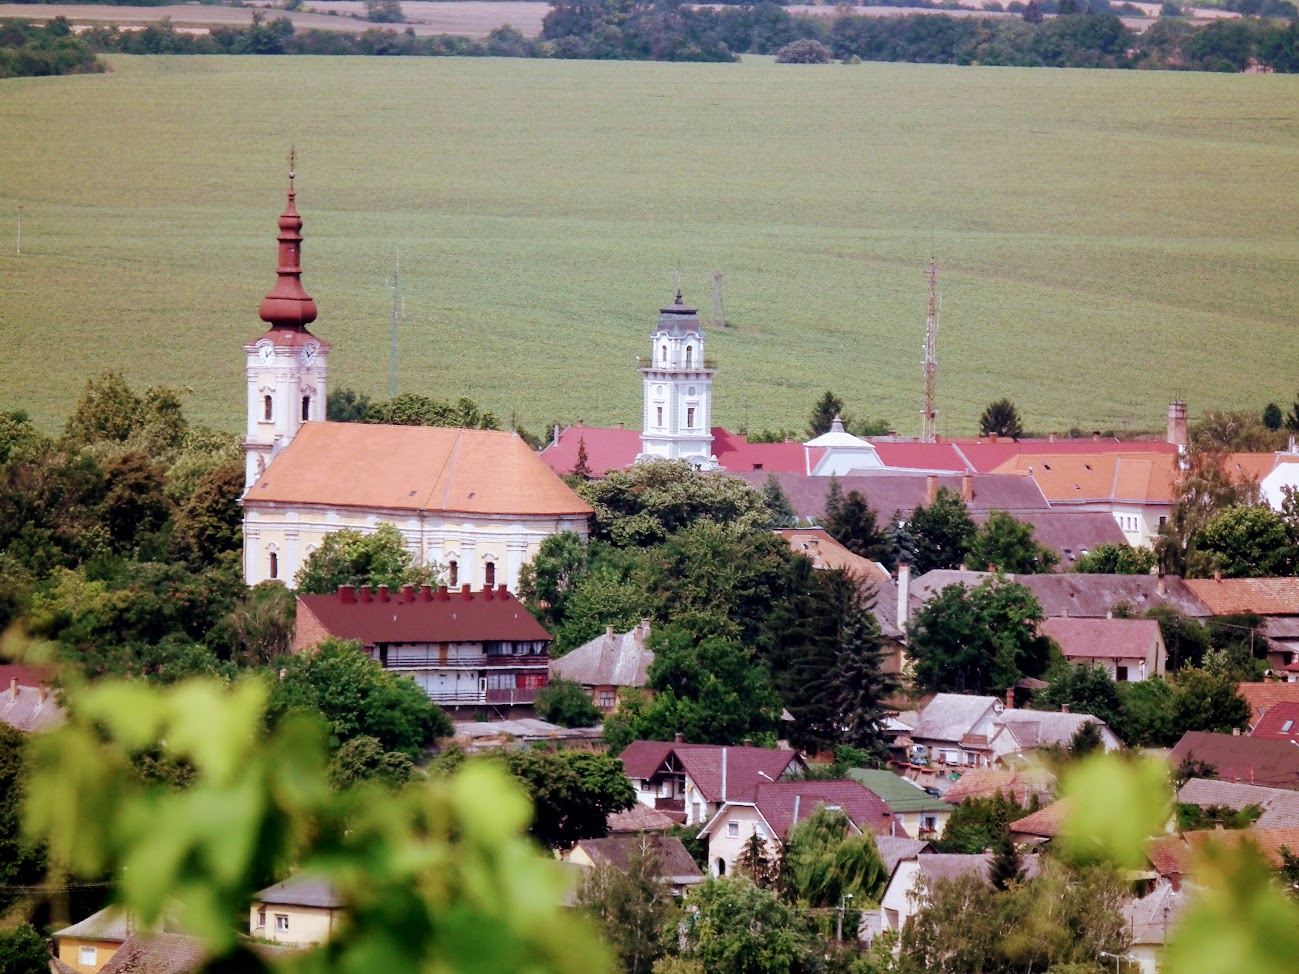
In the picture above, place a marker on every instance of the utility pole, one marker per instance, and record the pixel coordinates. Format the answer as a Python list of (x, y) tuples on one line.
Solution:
[(394, 285), (929, 431), (719, 319), (18, 249)]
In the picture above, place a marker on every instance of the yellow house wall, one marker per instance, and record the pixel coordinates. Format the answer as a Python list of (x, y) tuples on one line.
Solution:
[(723, 849), (70, 952), (911, 821), (307, 924)]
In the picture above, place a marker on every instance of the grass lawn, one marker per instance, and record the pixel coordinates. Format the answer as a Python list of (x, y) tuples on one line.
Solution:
[(1107, 239)]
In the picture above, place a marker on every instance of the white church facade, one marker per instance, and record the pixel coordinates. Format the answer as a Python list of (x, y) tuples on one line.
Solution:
[(477, 503)]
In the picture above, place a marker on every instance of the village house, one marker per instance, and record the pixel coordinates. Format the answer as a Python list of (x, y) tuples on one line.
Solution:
[(1279, 806), (608, 665), (672, 863), (1263, 696), (774, 808), (690, 782), (463, 648), (299, 911), (86, 946), (921, 814), (475, 503), (1021, 785), (1150, 921), (1275, 599), (907, 891), (1250, 760), (1127, 650)]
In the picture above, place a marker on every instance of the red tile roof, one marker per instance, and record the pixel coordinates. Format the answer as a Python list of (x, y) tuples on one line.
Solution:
[(786, 803), (1169, 855), (824, 552), (929, 457), (642, 759), (1269, 842), (1261, 596), (1280, 723), (1046, 822), (1142, 478), (28, 674), (414, 468), (1016, 784), (736, 454), (617, 449), (1261, 697), (1102, 638), (1253, 760), (424, 615), (984, 455), (720, 773)]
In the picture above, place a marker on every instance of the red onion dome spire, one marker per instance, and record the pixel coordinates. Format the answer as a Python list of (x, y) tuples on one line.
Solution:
[(288, 305)]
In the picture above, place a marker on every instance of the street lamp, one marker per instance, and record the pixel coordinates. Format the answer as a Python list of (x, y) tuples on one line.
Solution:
[(1117, 958), (843, 904)]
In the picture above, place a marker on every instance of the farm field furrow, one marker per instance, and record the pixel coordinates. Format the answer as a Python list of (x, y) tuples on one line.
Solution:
[(1106, 239)]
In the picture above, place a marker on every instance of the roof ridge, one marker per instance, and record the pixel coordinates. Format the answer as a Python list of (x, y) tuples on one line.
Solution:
[(450, 469)]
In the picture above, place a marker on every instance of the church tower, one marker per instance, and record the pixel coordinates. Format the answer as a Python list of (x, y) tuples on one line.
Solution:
[(286, 366), (677, 424)]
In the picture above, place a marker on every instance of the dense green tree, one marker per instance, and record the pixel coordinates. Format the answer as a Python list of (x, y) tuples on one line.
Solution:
[(1205, 487), (364, 759), (1116, 559), (853, 524), (1147, 719), (942, 532), (211, 521), (979, 640), (1272, 417), (605, 597), (22, 862), (546, 581), (979, 824), (358, 698), (901, 541), (738, 928), (1207, 701), (1006, 545), (582, 466), (573, 793), (642, 505), (23, 951), (49, 508), (862, 688), (827, 409), (412, 409), (1242, 431), (134, 504), (757, 863), (1086, 690), (1186, 639), (344, 405), (805, 51), (1086, 740), (1247, 542), (1002, 419), (261, 625), (565, 703), (1007, 867), (823, 862), (348, 557), (630, 906), (782, 511)]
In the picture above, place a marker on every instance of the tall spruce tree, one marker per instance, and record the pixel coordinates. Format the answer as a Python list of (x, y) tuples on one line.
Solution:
[(823, 414), (1007, 867), (782, 511)]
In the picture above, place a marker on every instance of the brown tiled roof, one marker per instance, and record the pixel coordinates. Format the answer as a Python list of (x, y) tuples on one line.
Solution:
[(1139, 477), (159, 953), (1045, 822), (786, 803), (1280, 806), (1074, 594), (731, 773), (1269, 842), (640, 759), (638, 818), (414, 468), (301, 891), (1169, 855), (1068, 532), (984, 454), (1261, 697), (824, 552), (425, 615), (674, 862), (1020, 785), (1102, 638), (1261, 596), (1280, 723), (1249, 759)]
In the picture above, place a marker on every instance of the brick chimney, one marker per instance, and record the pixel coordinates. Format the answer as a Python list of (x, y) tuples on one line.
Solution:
[(1177, 425), (1064, 708), (443, 596), (408, 593), (931, 489), (1217, 574), (502, 593), (426, 593), (488, 593), (466, 592), (678, 738), (967, 489), (366, 595), (13, 689), (1010, 698), (347, 595), (992, 437)]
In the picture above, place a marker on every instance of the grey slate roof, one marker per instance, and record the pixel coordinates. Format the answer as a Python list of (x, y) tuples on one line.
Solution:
[(1069, 533), (301, 891), (1034, 728), (30, 709), (941, 866), (1150, 918), (1073, 594), (619, 659), (950, 716), (110, 923), (1280, 807), (674, 863), (887, 492), (893, 849)]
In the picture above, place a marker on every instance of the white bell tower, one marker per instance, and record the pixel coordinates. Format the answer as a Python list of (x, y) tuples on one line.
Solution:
[(286, 367), (677, 423)]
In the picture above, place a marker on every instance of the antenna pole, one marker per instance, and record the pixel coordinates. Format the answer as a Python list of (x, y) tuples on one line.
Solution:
[(18, 249), (719, 319), (929, 433), (395, 285)]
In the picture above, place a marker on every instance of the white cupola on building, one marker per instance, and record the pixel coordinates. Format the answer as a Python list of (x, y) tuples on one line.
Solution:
[(677, 424), (844, 453)]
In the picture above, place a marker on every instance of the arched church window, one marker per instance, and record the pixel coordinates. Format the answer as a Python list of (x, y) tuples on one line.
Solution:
[(274, 570), (268, 409), (690, 355), (659, 416), (664, 354), (489, 574), (306, 408), (453, 573), (690, 417)]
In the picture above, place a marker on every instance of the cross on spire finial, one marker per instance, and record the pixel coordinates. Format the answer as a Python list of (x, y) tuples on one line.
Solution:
[(678, 282)]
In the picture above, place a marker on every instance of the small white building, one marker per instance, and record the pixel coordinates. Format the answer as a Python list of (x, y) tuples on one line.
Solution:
[(1129, 650), (841, 453)]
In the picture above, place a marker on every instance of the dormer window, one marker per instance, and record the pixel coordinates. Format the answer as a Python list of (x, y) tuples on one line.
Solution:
[(268, 409)]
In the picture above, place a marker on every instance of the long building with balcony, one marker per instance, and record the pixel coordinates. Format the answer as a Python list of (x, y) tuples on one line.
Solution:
[(465, 648)]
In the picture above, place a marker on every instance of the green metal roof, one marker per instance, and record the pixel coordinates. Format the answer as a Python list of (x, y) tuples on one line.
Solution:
[(898, 794)]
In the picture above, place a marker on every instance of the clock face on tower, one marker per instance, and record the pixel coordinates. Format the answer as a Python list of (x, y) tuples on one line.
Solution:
[(267, 352), (309, 354)]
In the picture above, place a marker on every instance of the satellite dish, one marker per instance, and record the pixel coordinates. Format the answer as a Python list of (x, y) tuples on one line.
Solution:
[(998, 707)]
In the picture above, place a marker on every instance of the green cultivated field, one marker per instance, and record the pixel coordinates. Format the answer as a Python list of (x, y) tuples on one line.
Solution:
[(1107, 239)]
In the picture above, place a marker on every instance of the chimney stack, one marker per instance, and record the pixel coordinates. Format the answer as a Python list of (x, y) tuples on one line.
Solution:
[(967, 489), (502, 592), (678, 738), (41, 693), (466, 592), (748, 742), (488, 593), (347, 595), (617, 426), (904, 595), (408, 593), (1161, 586), (1010, 698), (426, 593), (931, 489), (1177, 433), (992, 437), (442, 594), (1064, 708), (366, 595), (1217, 574), (382, 595), (13, 689)]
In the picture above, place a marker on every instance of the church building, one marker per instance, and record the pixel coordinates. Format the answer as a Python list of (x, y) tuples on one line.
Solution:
[(478, 503)]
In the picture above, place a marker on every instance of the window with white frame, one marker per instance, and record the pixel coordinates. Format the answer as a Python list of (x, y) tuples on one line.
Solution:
[(281, 922), (607, 699), (732, 830), (86, 956)]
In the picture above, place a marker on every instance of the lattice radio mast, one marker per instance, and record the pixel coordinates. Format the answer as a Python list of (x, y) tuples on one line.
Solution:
[(929, 433), (395, 286), (719, 318)]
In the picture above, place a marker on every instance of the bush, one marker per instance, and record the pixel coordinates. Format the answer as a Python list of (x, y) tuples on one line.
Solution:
[(565, 703), (804, 52)]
